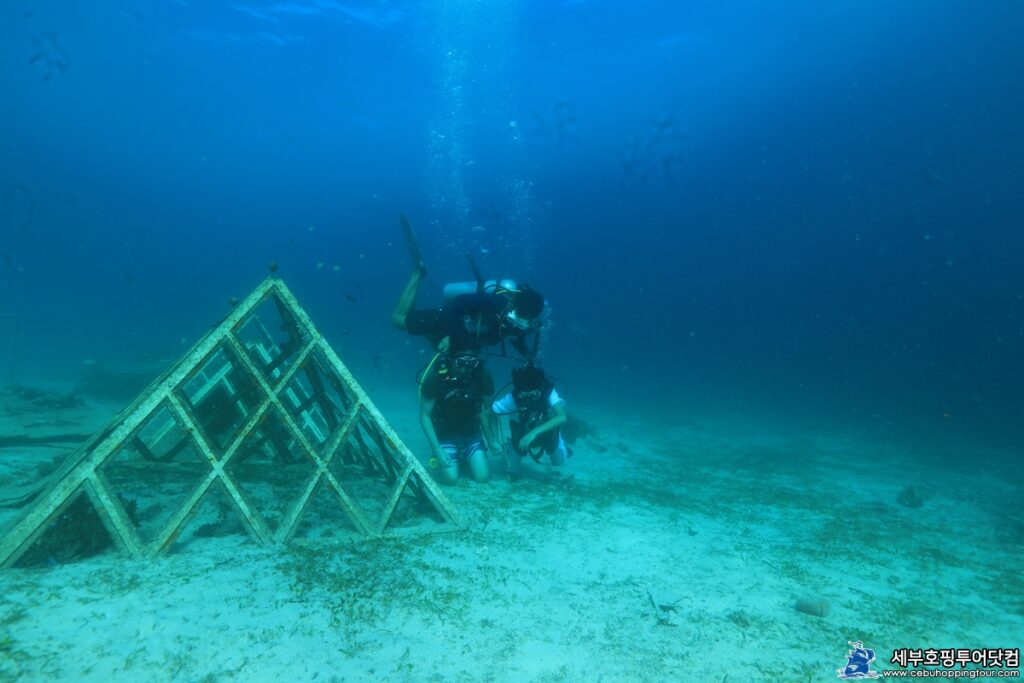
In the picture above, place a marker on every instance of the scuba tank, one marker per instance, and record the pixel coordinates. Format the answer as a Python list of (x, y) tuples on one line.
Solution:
[(454, 289)]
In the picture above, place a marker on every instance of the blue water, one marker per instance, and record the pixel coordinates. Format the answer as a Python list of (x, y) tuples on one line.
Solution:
[(804, 211)]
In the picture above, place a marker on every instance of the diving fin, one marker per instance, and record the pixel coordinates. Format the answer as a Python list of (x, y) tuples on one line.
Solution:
[(476, 272), (414, 246)]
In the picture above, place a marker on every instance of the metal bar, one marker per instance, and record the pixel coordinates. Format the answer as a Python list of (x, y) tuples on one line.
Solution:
[(184, 414), (392, 503), (349, 505), (30, 527), (444, 506), (290, 523), (284, 415), (114, 517)]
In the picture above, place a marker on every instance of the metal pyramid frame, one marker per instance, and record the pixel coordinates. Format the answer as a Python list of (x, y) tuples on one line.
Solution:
[(269, 416)]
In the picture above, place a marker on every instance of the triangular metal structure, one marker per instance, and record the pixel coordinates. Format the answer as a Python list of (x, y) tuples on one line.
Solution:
[(260, 416)]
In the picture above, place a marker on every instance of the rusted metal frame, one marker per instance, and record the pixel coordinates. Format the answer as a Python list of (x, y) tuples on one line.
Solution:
[(30, 539), (392, 447), (166, 457), (184, 412), (369, 463), (391, 463), (281, 449), (303, 321), (13, 543), (345, 395), (95, 452), (283, 414), (127, 420), (290, 524), (14, 546), (308, 411), (143, 449), (159, 543), (442, 504), (304, 405), (320, 395), (389, 507), (284, 349), (252, 519), (350, 506), (242, 456), (114, 517), (105, 496), (188, 510), (184, 515), (290, 320), (285, 352)]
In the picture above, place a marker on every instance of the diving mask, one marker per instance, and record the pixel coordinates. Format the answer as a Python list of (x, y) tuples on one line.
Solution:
[(531, 395), (467, 363)]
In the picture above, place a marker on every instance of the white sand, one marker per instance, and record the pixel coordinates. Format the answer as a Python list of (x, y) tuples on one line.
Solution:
[(550, 579)]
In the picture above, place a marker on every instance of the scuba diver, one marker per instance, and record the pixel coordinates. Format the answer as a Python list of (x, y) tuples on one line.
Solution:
[(540, 412), (475, 314), (452, 391)]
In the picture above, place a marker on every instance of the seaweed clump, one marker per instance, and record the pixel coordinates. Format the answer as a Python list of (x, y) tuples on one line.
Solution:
[(31, 399), (577, 428), (910, 497), (77, 533)]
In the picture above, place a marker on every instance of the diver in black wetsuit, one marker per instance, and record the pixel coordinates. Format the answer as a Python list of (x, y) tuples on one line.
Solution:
[(493, 314)]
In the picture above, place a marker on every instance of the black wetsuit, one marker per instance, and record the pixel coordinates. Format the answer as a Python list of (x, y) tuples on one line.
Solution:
[(471, 322), (459, 397)]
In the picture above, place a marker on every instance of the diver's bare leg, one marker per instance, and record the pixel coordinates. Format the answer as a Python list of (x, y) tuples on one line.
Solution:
[(479, 467), (408, 299)]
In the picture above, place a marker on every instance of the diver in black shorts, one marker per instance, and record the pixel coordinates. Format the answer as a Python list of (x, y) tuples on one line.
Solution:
[(453, 388)]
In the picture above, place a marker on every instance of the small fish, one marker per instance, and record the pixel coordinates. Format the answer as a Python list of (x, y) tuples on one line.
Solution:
[(485, 251), (336, 269), (350, 297), (478, 228), (319, 265)]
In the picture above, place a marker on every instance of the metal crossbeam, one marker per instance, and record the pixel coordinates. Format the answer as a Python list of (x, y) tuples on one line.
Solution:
[(260, 380)]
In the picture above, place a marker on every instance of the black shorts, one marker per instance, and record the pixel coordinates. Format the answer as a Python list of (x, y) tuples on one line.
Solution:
[(429, 323)]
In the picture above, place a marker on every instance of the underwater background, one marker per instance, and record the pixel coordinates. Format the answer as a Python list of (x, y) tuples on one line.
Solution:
[(803, 213), (781, 245)]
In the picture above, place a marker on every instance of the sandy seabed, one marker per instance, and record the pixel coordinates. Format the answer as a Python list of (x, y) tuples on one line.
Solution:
[(659, 552)]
